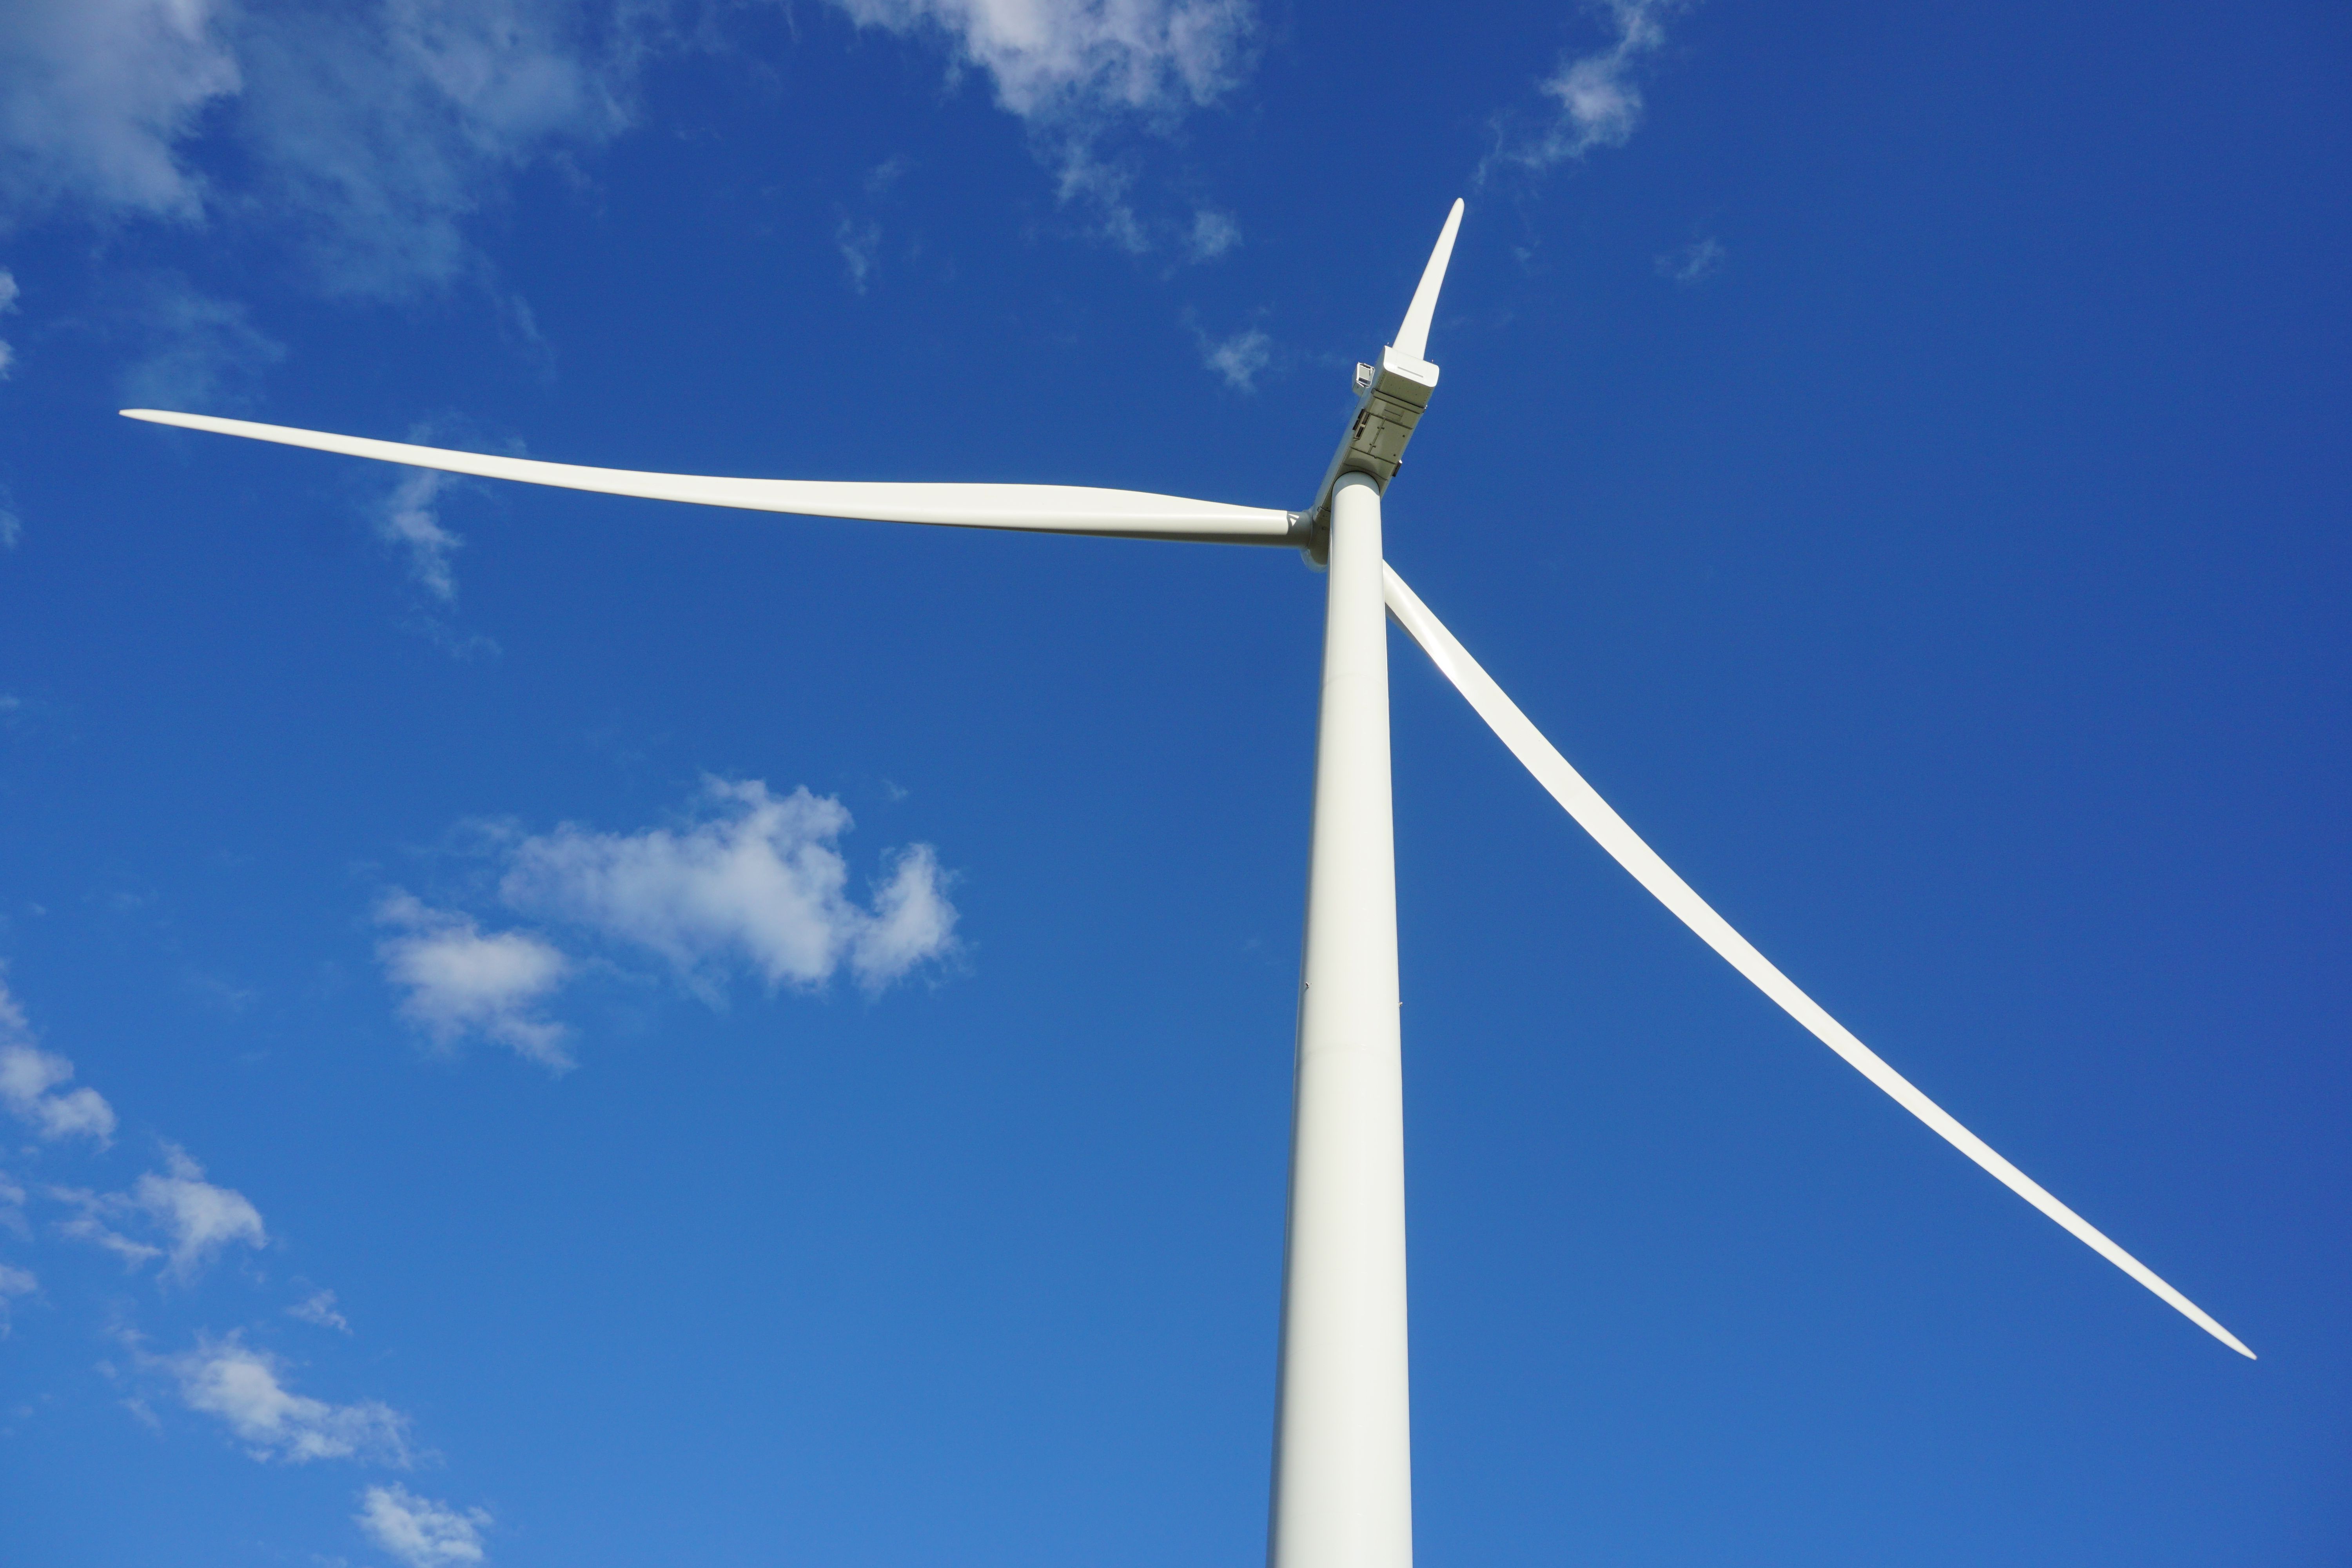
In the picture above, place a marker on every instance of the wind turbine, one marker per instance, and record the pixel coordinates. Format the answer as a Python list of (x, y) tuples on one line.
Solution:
[(1342, 1471)]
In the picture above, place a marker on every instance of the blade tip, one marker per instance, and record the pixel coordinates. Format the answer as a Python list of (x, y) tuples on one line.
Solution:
[(2224, 1335)]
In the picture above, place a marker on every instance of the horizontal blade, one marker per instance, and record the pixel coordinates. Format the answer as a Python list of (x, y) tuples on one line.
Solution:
[(1041, 508), (1413, 337), (1593, 814)]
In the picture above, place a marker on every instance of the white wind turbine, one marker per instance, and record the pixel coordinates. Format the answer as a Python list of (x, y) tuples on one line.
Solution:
[(1342, 1472)]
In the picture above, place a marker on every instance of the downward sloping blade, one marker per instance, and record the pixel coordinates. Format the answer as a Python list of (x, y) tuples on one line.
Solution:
[(1043, 508), (1413, 337), (1594, 815)]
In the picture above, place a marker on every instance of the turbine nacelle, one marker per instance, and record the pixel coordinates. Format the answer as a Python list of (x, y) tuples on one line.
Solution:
[(1390, 396)]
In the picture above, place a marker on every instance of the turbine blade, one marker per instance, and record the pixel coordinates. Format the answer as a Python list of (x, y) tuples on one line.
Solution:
[(1608, 829), (1043, 508), (1413, 337)]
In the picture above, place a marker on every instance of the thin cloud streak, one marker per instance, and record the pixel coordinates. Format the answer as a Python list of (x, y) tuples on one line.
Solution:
[(29, 1078), (246, 1389), (1599, 101), (1693, 262), (420, 1532), (7, 303), (193, 1219), (318, 1307)]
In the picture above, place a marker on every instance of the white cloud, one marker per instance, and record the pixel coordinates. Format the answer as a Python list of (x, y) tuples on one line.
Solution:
[(1690, 263), (859, 239), (193, 1219), (1051, 59), (87, 1225), (912, 924), (96, 97), (1238, 358), (382, 129), (197, 1217), (1599, 101), (409, 522), (370, 131), (319, 1308), (30, 1077), (1075, 71), (27, 1076), (226, 1378), (758, 879), (1088, 181), (458, 980), (14, 1283), (7, 303), (1213, 234), (368, 137), (419, 1532), (205, 352)]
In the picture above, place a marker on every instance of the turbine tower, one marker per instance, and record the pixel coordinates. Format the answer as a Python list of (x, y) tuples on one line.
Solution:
[(1342, 1492)]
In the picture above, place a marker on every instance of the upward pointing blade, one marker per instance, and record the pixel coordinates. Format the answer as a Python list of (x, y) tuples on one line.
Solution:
[(1594, 815), (1043, 508), (1413, 337)]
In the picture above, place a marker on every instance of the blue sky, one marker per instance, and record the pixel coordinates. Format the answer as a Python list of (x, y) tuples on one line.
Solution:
[(601, 1033)]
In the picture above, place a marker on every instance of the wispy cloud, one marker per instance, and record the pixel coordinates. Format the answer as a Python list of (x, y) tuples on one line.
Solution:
[(192, 1218), (1213, 234), (757, 880), (384, 128), (1081, 74), (1051, 60), (859, 240), (751, 881), (1690, 263), (97, 97), (245, 1388), (203, 353), (457, 980), (30, 1081), (197, 1218), (419, 1532), (14, 1282), (1238, 358), (1597, 100), (410, 521), (7, 304), (369, 134), (318, 1307)]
